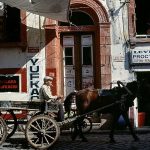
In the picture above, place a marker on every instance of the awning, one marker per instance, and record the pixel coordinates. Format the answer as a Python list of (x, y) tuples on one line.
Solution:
[(54, 9)]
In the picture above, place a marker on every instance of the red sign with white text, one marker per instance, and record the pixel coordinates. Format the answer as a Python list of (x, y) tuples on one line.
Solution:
[(9, 83)]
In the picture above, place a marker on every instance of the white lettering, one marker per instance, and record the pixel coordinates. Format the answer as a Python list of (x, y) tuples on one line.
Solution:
[(34, 79)]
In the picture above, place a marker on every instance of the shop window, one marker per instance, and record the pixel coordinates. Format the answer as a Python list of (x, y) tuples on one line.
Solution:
[(78, 18), (10, 24), (142, 17)]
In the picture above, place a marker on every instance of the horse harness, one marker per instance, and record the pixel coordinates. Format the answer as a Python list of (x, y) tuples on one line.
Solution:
[(114, 93)]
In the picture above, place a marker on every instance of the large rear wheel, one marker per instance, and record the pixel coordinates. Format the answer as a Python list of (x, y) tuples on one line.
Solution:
[(42, 131), (11, 121)]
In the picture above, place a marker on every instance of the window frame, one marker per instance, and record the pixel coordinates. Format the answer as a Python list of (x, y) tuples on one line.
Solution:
[(23, 35)]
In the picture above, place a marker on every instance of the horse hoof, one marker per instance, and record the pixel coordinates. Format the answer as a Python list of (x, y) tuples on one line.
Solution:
[(136, 139), (73, 137), (84, 140), (112, 141)]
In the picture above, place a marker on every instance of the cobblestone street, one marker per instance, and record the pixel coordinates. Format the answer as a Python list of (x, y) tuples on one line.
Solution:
[(101, 141), (96, 141)]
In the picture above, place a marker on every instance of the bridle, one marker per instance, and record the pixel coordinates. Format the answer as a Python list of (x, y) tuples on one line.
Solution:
[(119, 83), (124, 97)]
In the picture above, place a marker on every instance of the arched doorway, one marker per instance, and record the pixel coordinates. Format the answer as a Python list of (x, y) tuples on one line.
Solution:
[(78, 54), (84, 47)]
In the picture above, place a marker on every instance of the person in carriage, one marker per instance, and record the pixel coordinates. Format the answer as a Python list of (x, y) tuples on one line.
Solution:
[(45, 95)]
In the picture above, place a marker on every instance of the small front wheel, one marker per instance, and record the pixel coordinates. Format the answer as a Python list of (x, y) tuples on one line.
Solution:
[(42, 131), (86, 125)]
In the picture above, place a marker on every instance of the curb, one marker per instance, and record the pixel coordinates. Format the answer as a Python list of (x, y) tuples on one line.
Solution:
[(97, 130)]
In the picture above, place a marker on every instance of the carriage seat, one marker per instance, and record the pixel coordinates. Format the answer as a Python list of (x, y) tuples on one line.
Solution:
[(47, 106)]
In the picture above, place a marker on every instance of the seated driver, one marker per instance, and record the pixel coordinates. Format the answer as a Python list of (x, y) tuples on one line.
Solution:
[(45, 94)]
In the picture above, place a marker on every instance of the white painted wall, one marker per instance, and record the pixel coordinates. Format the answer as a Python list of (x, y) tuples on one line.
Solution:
[(15, 58), (12, 58), (119, 37), (36, 38)]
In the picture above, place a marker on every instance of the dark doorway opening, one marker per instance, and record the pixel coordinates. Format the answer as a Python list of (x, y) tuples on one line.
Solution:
[(144, 95)]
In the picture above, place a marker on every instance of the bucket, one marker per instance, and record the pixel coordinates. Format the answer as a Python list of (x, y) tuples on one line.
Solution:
[(121, 123), (141, 119)]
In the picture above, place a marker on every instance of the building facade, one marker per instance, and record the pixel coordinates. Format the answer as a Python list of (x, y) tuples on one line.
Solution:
[(103, 42)]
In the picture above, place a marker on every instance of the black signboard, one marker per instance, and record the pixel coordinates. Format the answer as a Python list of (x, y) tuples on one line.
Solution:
[(9, 83)]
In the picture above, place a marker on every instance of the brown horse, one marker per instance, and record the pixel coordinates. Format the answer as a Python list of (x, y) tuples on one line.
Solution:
[(115, 101)]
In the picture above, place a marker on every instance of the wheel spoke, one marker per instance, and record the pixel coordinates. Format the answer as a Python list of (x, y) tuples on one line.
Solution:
[(43, 123), (34, 127), (47, 139), (3, 130), (42, 141), (49, 136), (38, 125), (52, 126), (47, 125), (37, 140)]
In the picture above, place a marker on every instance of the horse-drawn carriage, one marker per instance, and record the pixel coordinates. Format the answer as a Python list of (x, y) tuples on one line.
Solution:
[(42, 130)]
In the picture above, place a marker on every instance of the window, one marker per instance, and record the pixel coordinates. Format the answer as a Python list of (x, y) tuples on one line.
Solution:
[(10, 24), (68, 55), (142, 16), (87, 59), (86, 49), (68, 43)]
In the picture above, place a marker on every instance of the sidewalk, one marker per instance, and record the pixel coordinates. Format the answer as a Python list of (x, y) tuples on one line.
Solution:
[(142, 130), (96, 129)]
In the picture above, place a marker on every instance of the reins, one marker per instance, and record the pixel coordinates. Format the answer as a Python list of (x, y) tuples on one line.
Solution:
[(120, 83), (69, 120), (101, 108), (123, 99), (112, 104)]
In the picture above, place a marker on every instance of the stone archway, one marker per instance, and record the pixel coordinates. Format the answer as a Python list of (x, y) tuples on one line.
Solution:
[(94, 5), (102, 53)]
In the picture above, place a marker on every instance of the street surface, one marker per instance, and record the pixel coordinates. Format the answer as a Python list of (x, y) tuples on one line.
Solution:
[(96, 141)]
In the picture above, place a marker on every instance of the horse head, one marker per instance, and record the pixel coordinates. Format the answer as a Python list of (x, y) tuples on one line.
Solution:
[(131, 89)]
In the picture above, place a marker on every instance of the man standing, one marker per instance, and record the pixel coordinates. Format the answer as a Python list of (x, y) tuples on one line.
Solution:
[(45, 94)]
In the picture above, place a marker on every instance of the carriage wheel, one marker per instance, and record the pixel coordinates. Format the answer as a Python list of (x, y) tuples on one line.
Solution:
[(42, 131), (11, 121), (86, 125), (22, 127), (3, 131)]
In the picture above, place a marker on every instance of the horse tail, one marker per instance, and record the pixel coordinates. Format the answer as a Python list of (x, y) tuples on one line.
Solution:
[(68, 101)]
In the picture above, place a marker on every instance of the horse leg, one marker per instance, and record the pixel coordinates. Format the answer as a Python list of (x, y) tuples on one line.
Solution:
[(115, 119), (80, 124), (125, 115), (76, 130)]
